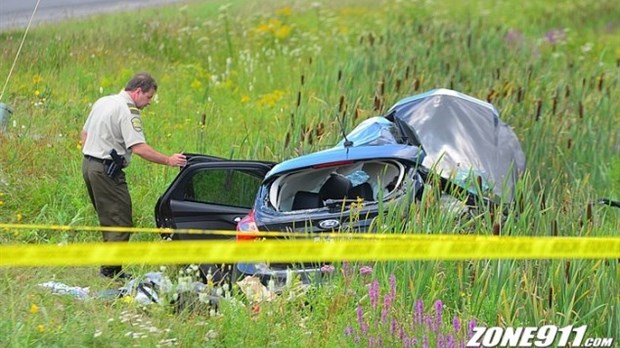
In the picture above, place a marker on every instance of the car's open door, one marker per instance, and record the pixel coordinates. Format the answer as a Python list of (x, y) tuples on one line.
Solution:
[(210, 194)]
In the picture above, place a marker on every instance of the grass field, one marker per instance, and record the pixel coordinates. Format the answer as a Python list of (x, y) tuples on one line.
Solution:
[(242, 79)]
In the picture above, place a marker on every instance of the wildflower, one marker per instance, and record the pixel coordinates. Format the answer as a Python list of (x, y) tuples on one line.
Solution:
[(555, 36), (450, 341), (418, 312), (346, 268), (394, 327), (387, 304), (587, 47), (283, 32), (41, 328), (196, 85), (327, 269), (37, 93), (470, 327), (513, 38), (348, 331), (365, 270), (36, 79), (270, 99), (245, 99), (373, 292), (1, 203), (128, 299), (284, 11), (438, 313), (456, 324), (34, 309), (97, 333), (360, 319)]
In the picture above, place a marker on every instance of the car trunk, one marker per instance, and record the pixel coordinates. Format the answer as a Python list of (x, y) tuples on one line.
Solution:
[(341, 197)]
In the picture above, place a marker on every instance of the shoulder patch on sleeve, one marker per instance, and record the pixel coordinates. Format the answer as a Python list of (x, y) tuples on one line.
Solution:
[(133, 109), (136, 123)]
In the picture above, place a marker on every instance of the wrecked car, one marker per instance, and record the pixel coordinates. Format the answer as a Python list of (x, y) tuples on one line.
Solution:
[(384, 161)]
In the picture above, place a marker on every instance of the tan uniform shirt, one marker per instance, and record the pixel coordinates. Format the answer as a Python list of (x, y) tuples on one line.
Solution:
[(113, 123)]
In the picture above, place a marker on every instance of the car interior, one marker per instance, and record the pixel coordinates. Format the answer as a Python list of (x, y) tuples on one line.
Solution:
[(312, 188)]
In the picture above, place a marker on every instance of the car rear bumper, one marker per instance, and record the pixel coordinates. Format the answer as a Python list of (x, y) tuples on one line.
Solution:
[(279, 278)]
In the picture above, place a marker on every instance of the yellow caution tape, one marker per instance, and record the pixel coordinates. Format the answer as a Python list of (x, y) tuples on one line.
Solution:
[(416, 247), (65, 228)]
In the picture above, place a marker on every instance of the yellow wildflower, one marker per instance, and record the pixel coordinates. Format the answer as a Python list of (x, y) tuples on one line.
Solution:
[(37, 93), (128, 299), (270, 99), (41, 328), (263, 28), (19, 217), (34, 309), (284, 11), (283, 32), (245, 99), (274, 23), (37, 79), (1, 203), (196, 85)]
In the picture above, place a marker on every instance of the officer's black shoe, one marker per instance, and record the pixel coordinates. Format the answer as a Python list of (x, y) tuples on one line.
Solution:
[(114, 273)]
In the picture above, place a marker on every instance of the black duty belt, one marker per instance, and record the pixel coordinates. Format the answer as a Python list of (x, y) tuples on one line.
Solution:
[(100, 160)]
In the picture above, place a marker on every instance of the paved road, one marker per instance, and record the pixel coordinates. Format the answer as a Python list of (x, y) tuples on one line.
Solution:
[(17, 13)]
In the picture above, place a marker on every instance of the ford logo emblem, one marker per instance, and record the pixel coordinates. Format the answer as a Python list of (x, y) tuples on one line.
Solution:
[(329, 224)]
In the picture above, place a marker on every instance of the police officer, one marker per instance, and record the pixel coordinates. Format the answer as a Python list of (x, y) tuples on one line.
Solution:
[(114, 123)]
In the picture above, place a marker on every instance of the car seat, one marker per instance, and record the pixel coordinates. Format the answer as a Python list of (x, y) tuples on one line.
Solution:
[(363, 191), (336, 187), (306, 200)]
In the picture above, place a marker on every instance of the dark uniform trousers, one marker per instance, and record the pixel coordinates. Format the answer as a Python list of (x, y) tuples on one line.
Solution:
[(110, 197)]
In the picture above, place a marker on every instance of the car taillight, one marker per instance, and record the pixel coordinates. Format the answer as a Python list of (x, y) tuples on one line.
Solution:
[(246, 228)]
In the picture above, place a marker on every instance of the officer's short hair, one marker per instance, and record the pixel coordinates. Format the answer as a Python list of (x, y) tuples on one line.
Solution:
[(142, 80)]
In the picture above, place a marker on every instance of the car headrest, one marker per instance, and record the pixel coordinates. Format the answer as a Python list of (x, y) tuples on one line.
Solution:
[(336, 187), (363, 191), (306, 200)]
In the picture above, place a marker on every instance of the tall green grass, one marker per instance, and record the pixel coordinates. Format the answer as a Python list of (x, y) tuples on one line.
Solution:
[(271, 81)]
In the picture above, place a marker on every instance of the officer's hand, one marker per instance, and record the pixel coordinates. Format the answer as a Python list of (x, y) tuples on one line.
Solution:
[(177, 160)]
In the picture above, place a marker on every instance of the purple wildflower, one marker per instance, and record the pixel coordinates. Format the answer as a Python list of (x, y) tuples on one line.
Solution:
[(360, 319), (430, 323), (393, 327), (440, 341), (393, 286), (456, 324), (373, 293), (346, 268), (554, 36), (450, 342), (365, 270), (425, 341), (348, 331), (513, 38), (418, 312), (327, 269), (364, 328), (438, 314), (387, 305), (470, 327), (407, 343)]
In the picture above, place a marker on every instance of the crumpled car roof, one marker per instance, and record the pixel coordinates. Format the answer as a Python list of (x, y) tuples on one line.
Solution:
[(463, 138)]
